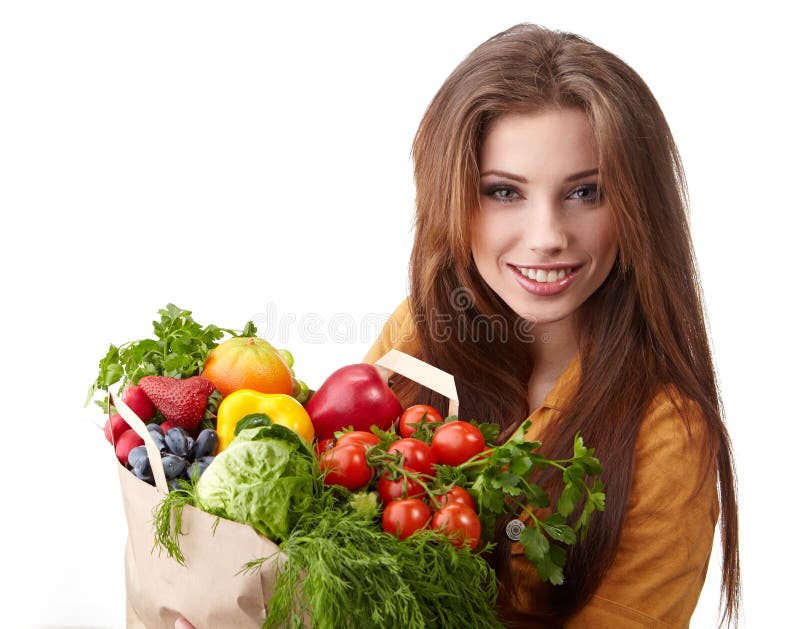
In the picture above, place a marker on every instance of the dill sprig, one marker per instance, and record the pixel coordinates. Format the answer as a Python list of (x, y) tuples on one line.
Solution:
[(168, 517), (341, 571)]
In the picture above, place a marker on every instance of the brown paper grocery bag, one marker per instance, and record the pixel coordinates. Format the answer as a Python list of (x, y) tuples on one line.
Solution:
[(211, 590)]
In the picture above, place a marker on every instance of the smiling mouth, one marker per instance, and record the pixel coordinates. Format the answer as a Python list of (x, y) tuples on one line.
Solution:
[(542, 276)]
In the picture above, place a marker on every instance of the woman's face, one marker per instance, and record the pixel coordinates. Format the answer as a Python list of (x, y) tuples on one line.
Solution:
[(543, 238)]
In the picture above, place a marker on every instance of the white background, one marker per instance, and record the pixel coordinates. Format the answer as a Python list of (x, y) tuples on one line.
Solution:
[(239, 159)]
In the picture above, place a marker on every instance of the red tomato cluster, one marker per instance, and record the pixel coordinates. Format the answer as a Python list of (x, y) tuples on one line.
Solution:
[(409, 503), (459, 521)]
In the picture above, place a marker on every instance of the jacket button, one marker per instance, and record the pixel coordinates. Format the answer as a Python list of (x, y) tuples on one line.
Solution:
[(514, 530)]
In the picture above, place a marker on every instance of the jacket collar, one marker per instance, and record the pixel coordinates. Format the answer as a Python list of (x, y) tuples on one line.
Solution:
[(566, 386)]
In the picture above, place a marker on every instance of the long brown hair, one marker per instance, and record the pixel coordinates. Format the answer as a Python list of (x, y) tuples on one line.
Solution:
[(643, 329)]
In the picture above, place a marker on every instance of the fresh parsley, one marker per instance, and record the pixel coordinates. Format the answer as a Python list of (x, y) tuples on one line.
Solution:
[(503, 485), (179, 350)]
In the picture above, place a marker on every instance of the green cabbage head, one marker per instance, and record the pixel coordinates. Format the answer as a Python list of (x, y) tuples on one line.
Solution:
[(264, 478)]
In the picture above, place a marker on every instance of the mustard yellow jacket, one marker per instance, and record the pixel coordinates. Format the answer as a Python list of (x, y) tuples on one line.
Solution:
[(660, 566)]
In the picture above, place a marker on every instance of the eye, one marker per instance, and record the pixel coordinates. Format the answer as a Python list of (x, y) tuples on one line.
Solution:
[(588, 193), (501, 193)]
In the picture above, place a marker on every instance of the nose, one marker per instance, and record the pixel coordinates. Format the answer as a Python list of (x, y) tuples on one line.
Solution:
[(545, 229)]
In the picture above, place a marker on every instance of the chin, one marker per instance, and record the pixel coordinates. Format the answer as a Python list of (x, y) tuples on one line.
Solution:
[(538, 315)]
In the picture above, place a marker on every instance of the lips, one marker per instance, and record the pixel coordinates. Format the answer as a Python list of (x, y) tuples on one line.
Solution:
[(543, 275), (555, 278)]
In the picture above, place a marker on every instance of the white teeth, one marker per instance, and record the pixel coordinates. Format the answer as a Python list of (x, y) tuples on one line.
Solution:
[(540, 275)]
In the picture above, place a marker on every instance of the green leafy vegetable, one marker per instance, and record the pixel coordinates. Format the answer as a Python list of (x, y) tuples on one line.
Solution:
[(365, 503), (354, 575), (168, 517), (252, 420), (489, 431), (264, 479), (179, 350), (502, 485)]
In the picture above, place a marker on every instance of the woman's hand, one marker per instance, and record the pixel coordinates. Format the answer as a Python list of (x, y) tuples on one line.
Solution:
[(182, 623)]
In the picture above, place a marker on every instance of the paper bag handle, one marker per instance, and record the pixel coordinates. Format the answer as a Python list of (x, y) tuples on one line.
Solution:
[(153, 454), (421, 372)]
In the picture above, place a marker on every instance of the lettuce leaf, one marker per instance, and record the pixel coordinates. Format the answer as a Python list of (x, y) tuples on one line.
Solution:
[(264, 478)]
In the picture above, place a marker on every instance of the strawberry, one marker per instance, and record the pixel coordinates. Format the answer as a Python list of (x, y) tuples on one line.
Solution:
[(181, 402)]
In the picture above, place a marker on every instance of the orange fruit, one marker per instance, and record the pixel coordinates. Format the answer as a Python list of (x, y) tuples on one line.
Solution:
[(247, 363)]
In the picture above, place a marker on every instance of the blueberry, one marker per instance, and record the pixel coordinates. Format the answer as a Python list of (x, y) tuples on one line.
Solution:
[(206, 459), (174, 484), (177, 441), (206, 443), (137, 456), (155, 428), (174, 466), (190, 447), (145, 477), (196, 469), (143, 467), (159, 440)]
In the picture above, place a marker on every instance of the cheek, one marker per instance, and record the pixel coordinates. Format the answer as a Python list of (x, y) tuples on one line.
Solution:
[(611, 242), (479, 242), (601, 240), (490, 235)]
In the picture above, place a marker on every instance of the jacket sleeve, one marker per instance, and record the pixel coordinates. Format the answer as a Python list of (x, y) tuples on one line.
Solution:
[(658, 573), (397, 333)]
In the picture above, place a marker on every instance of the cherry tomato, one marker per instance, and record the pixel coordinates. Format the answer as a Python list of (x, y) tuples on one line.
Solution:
[(346, 466), (417, 455), (457, 495), (459, 523), (323, 445), (358, 437), (403, 517), (456, 442), (414, 415), (403, 487)]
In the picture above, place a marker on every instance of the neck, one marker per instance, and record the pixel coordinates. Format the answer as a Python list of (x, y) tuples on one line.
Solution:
[(553, 348)]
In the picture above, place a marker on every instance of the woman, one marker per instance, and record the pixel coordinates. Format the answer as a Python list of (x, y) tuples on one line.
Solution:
[(553, 275)]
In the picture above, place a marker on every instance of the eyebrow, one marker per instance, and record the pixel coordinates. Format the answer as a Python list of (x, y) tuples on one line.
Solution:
[(519, 178)]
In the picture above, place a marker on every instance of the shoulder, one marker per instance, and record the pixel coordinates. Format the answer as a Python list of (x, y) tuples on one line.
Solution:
[(665, 545), (674, 441), (398, 332), (674, 467), (669, 407)]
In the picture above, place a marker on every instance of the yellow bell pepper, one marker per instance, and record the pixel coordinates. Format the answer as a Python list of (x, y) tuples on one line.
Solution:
[(281, 409)]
